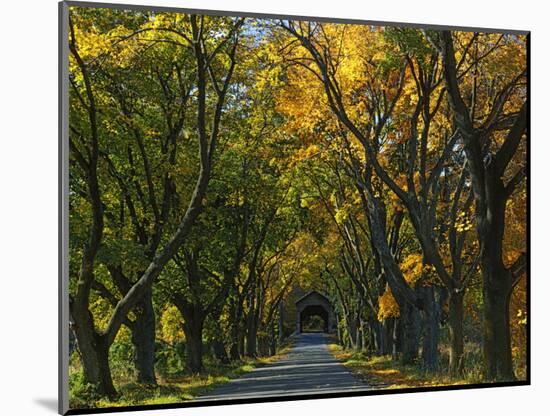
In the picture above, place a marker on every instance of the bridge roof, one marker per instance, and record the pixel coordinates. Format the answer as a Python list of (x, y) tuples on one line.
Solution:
[(310, 293)]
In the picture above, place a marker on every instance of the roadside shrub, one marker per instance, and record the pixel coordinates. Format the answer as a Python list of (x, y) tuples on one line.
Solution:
[(169, 359), (82, 394)]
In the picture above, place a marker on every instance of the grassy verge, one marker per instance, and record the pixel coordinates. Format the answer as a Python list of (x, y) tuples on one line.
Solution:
[(177, 389), (382, 372)]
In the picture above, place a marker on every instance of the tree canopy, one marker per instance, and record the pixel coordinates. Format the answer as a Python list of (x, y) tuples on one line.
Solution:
[(220, 167)]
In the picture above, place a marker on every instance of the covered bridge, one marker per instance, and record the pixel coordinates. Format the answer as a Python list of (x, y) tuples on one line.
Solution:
[(315, 304)]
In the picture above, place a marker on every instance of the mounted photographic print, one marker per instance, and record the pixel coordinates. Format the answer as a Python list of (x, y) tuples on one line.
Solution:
[(265, 208)]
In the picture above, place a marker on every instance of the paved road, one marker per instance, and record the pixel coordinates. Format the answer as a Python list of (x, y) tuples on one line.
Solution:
[(308, 368)]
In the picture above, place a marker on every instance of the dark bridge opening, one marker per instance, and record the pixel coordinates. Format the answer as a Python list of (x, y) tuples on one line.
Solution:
[(314, 318)]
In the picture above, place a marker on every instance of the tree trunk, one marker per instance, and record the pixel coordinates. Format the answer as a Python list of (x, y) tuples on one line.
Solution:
[(339, 331), (218, 346), (143, 338), (367, 338), (272, 340), (240, 344), (359, 337), (406, 298), (374, 340), (456, 319), (497, 345), (251, 333), (375, 345), (430, 351), (95, 362), (193, 348), (105, 379), (384, 343), (352, 332), (234, 351), (497, 285), (219, 350), (379, 341), (410, 329), (94, 352), (235, 312), (396, 338), (281, 321)]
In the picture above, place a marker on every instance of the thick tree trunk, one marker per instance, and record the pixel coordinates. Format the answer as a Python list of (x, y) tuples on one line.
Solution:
[(497, 346), (143, 338), (194, 347), (95, 361), (105, 379), (456, 319), (410, 329), (430, 351), (94, 353), (497, 284)]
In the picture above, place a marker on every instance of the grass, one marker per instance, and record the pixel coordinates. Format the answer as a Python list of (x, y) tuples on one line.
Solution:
[(382, 372), (176, 389)]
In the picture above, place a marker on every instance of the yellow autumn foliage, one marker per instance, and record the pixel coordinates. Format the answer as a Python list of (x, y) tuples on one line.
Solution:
[(170, 325), (387, 306), (412, 268)]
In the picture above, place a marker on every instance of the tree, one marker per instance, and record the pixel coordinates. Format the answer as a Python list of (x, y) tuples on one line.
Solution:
[(490, 143), (95, 345), (219, 167), (315, 40)]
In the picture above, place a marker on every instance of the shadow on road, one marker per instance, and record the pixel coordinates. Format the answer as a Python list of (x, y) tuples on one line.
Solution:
[(308, 368)]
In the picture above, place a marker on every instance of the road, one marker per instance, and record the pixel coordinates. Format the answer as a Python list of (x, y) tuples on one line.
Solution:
[(308, 368)]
